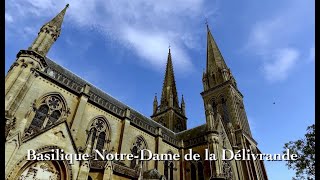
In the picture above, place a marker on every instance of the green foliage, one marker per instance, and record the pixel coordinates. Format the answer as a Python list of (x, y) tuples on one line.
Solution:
[(305, 149)]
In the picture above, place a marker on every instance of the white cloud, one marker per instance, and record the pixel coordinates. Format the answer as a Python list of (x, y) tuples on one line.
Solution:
[(153, 48), (279, 68), (274, 40), (148, 27)]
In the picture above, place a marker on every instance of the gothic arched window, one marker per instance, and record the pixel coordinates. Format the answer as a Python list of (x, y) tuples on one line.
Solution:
[(40, 116), (214, 105), (168, 168), (200, 171), (171, 170), (166, 165), (138, 145), (98, 134), (179, 127), (48, 111)]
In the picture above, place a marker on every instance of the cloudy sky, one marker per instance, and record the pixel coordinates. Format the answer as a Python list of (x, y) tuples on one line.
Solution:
[(121, 47)]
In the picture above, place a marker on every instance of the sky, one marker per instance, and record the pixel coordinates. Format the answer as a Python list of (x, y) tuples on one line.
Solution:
[(122, 46)]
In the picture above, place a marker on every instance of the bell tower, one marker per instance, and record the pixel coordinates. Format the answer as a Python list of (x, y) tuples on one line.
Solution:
[(169, 113), (220, 88)]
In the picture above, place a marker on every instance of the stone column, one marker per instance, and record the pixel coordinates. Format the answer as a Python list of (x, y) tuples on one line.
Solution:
[(158, 145), (77, 120), (21, 85), (182, 162), (125, 128), (213, 139), (12, 75)]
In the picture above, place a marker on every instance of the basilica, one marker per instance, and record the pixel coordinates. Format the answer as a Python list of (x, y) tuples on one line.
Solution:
[(47, 107)]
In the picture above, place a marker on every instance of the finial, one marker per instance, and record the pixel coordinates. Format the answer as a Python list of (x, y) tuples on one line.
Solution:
[(155, 97), (206, 22), (67, 5), (169, 47)]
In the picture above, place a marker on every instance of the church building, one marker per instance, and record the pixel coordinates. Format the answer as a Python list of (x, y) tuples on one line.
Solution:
[(48, 107)]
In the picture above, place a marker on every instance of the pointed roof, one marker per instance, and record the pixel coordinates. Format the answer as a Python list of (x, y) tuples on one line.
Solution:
[(214, 57), (57, 21), (155, 98), (182, 100), (169, 84)]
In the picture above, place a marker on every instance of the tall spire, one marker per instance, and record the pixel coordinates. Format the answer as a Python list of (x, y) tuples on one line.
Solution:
[(57, 21), (214, 57), (216, 71), (48, 34), (169, 96), (169, 113)]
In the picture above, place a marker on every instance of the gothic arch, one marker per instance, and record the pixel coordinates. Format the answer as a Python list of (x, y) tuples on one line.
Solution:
[(62, 169), (213, 102), (46, 111), (98, 133), (169, 168), (140, 137), (197, 168), (104, 119), (138, 144)]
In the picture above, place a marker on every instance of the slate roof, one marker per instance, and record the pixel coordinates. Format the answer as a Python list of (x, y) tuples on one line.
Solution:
[(106, 101)]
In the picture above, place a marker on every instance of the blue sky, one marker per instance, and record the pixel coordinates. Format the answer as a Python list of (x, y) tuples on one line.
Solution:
[(121, 47)]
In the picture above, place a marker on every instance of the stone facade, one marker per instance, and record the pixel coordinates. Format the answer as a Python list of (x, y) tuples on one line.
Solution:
[(48, 107)]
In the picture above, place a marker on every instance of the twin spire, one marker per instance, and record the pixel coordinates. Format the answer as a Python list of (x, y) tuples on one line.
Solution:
[(57, 21), (169, 95), (214, 57), (169, 89), (216, 71), (48, 34)]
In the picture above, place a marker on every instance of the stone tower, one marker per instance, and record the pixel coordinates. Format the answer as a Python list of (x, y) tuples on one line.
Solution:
[(25, 69), (169, 113), (224, 108), (220, 88)]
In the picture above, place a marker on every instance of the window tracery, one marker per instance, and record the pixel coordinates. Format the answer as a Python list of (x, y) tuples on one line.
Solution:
[(168, 168), (41, 170), (98, 134), (48, 111), (137, 146)]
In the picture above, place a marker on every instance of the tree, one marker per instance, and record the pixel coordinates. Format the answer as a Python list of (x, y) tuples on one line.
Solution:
[(304, 165)]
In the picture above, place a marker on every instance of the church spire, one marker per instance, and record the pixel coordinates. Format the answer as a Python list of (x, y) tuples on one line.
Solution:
[(57, 21), (48, 34), (216, 71), (169, 96), (169, 113), (214, 57)]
